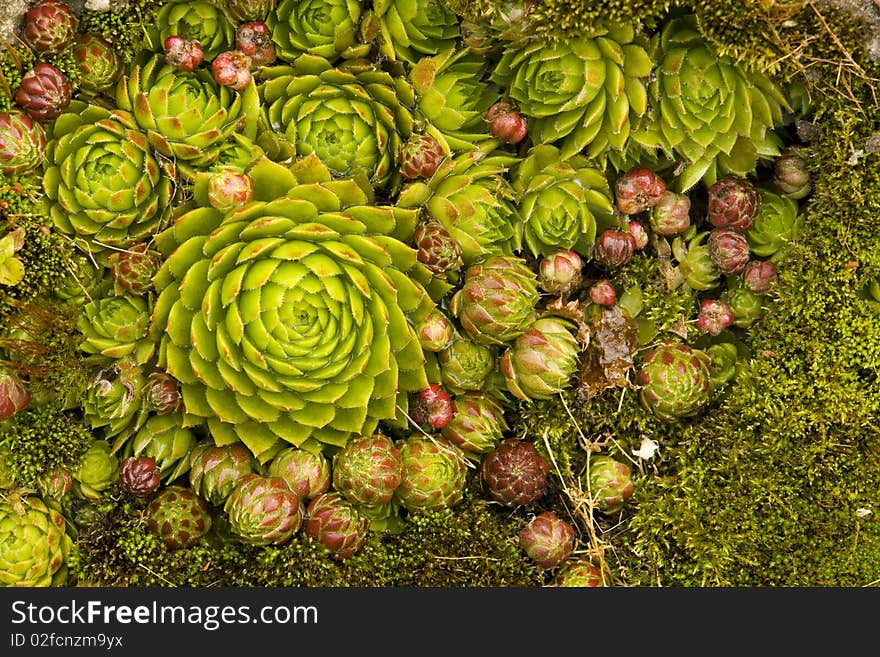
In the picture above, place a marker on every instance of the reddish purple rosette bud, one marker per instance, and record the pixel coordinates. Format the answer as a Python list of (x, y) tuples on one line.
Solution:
[(506, 124), (602, 292), (614, 248), (229, 189), (44, 92), (139, 476), (183, 54), (733, 203), (431, 408), (547, 539), (232, 68), (133, 269), (670, 215), (49, 27), (637, 190), (728, 250), (759, 276), (338, 526), (515, 473), (255, 41), (14, 395), (162, 393), (714, 317), (420, 156), (435, 332), (22, 141), (560, 272), (436, 248), (639, 234)]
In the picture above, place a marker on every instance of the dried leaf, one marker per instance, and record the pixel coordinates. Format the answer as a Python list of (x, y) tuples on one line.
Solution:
[(614, 338)]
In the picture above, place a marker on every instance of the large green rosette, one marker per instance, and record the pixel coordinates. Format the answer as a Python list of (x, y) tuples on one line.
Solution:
[(290, 319)]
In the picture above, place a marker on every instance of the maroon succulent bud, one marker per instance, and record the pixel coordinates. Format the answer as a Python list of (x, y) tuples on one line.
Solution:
[(547, 539), (670, 215), (506, 124), (44, 92), (431, 408), (49, 27), (515, 473), (614, 248), (436, 248), (162, 393), (337, 524), (255, 41), (22, 141), (639, 234), (420, 156), (560, 272), (714, 317), (133, 269), (229, 189), (183, 54), (602, 292), (232, 68), (733, 203), (14, 395), (729, 250), (637, 190), (759, 275), (435, 332), (139, 476)]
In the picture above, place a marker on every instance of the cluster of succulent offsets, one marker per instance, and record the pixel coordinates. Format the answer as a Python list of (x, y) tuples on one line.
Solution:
[(327, 249)]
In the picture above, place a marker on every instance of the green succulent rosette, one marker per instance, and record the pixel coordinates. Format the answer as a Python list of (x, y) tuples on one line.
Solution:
[(355, 120), (98, 470), (466, 365), (410, 29), (724, 358), (103, 187), (562, 202), (540, 362), (695, 265), (195, 20), (498, 300), (746, 306), (584, 93), (238, 153), (470, 195), (435, 474), (674, 380), (114, 402), (452, 99), (477, 425), (707, 110), (83, 281), (326, 28), (186, 116), (116, 327), (166, 440), (34, 543), (214, 469), (777, 224), (290, 319)]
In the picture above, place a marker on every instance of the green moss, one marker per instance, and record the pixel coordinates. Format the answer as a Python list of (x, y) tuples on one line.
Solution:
[(42, 438), (125, 30), (474, 546)]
